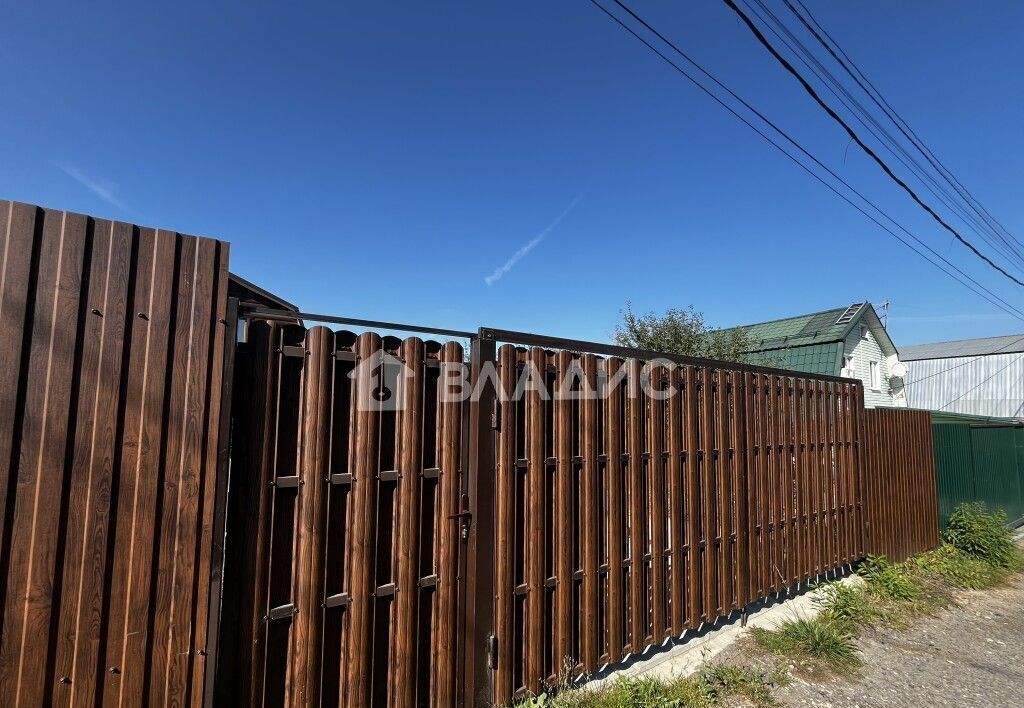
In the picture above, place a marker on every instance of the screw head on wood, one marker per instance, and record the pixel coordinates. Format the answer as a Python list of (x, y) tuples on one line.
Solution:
[(65, 679), (114, 670), (143, 316), (96, 312)]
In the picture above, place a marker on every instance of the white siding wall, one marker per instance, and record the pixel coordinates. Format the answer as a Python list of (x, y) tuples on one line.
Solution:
[(991, 385), (864, 350)]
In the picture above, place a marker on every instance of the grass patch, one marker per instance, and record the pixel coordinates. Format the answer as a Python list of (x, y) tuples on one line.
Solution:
[(960, 569), (820, 641), (725, 680), (709, 688)]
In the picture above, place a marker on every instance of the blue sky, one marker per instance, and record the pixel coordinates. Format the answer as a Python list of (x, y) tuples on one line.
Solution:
[(524, 165)]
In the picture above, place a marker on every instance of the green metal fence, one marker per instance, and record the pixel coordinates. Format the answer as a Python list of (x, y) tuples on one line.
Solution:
[(979, 459)]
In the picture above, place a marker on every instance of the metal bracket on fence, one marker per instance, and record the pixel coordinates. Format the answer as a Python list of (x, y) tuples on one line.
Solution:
[(294, 351), (281, 612), (285, 482), (342, 599)]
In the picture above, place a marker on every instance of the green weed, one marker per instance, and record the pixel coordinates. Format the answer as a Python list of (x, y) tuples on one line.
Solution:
[(828, 643), (982, 535)]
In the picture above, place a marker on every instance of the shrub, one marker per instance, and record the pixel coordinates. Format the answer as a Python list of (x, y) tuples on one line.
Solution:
[(846, 605), (889, 581), (982, 535)]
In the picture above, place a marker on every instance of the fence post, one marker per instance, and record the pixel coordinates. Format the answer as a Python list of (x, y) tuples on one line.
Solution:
[(477, 621), (212, 648)]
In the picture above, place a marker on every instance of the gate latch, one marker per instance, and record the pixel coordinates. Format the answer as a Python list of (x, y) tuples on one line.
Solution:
[(465, 516)]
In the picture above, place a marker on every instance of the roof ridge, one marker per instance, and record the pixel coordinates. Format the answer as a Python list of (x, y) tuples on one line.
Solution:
[(791, 317), (969, 339)]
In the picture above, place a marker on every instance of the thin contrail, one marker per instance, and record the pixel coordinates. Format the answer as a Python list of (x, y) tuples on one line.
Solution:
[(100, 190), (518, 255)]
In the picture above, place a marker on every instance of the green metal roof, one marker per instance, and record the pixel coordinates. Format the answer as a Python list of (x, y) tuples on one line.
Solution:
[(811, 343), (815, 328), (811, 358)]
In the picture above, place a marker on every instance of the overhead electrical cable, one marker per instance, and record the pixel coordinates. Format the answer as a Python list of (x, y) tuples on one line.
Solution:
[(860, 143), (951, 199), (966, 280), (854, 71)]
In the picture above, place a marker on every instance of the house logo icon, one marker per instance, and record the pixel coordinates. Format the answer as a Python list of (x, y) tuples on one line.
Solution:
[(380, 382)]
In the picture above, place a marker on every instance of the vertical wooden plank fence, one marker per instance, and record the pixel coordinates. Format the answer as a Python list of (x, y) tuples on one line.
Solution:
[(899, 469), (389, 542), (113, 341), (742, 484), (349, 520)]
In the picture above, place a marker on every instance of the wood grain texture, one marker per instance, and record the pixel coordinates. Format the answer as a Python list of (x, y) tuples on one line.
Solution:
[(110, 345)]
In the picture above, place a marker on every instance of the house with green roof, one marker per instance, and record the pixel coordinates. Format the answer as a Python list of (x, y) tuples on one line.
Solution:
[(845, 341)]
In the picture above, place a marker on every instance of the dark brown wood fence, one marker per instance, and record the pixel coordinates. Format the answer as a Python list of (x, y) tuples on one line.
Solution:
[(349, 520), (624, 520), (899, 468), (112, 339), (386, 544)]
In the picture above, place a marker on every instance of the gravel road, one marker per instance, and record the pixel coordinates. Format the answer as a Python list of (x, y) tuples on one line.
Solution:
[(970, 655)]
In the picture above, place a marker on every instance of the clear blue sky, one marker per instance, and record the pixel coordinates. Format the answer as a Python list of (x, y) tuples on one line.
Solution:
[(381, 160)]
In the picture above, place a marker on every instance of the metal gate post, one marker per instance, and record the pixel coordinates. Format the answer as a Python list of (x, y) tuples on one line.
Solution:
[(212, 653), (477, 620)]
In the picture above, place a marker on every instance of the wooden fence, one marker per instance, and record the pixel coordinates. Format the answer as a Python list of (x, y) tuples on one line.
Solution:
[(112, 340), (899, 468), (387, 544), (624, 520), (349, 520)]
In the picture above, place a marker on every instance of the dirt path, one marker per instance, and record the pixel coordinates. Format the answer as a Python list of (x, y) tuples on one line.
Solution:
[(971, 655)]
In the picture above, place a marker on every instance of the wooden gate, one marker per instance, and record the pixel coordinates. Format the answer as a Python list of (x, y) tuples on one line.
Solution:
[(350, 519), (638, 500)]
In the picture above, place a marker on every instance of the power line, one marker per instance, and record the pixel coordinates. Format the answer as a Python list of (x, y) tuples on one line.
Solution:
[(982, 383), (876, 96), (963, 363), (994, 299), (860, 143), (940, 191)]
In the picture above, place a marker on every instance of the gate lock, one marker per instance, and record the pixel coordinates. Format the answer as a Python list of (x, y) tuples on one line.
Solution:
[(465, 516)]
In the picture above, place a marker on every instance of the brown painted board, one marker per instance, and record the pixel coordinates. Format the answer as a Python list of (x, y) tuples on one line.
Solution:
[(313, 469), (592, 644), (536, 513), (18, 226), (638, 513), (656, 508), (676, 495), (564, 509), (709, 551), (505, 504), (746, 501), (362, 546), (693, 500), (138, 471), (617, 540), (45, 417), (80, 626)]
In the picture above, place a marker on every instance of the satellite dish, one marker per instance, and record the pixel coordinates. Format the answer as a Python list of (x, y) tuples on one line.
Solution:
[(899, 369)]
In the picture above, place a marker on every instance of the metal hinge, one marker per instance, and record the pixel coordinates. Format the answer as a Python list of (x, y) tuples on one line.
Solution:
[(495, 415)]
